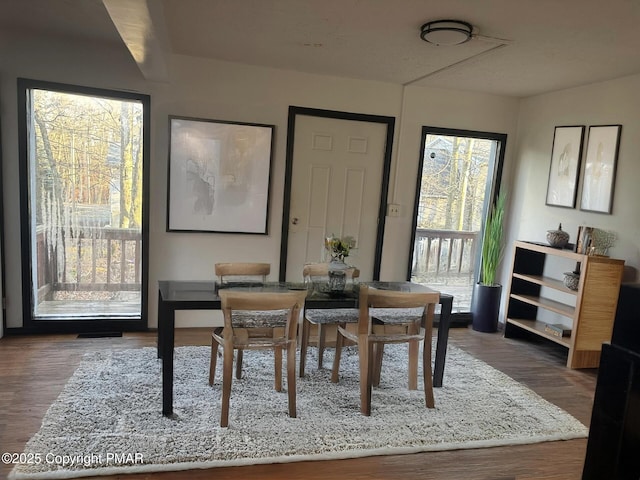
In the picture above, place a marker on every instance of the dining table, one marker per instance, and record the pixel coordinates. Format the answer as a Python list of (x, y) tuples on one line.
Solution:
[(174, 295)]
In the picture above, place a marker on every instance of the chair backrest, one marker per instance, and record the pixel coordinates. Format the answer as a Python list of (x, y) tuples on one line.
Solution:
[(373, 298), (314, 272), (242, 272), (291, 301)]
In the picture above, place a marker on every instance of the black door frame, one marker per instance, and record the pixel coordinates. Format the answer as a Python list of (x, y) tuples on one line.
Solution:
[(384, 190), (492, 187), (81, 325)]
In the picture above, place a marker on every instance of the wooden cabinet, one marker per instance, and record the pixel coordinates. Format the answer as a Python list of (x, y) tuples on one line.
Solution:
[(537, 295)]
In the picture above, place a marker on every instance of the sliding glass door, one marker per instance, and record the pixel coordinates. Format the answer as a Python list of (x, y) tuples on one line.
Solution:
[(83, 207), (459, 173)]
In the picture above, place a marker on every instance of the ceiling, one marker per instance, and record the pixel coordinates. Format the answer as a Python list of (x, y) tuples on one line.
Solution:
[(519, 48)]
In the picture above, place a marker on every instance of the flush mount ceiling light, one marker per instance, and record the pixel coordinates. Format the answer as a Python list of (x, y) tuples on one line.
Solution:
[(446, 32)]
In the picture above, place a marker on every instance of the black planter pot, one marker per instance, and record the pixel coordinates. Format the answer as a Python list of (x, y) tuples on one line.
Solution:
[(486, 307)]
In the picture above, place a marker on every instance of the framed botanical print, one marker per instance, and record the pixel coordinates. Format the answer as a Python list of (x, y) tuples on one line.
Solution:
[(600, 168), (566, 153)]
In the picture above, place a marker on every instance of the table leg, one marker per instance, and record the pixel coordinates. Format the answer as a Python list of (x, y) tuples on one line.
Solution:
[(166, 319), (446, 302)]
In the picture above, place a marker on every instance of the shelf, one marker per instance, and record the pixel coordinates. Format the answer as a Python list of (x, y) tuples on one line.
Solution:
[(552, 305), (537, 327), (578, 257), (590, 309), (546, 282)]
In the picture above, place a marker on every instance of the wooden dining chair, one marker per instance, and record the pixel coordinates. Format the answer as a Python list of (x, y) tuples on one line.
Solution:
[(243, 272), (318, 274), (236, 336), (371, 337)]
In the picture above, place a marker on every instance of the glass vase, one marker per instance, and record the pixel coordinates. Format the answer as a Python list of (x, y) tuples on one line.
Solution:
[(337, 275)]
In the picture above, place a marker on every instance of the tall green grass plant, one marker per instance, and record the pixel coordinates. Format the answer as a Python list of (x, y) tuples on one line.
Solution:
[(493, 242)]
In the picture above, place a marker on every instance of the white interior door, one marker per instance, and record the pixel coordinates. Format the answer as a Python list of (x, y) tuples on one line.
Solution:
[(335, 189)]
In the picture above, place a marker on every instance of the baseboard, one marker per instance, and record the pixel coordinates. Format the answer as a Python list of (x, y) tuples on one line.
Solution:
[(99, 334)]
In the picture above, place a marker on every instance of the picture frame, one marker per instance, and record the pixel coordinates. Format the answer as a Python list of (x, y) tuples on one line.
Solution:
[(218, 176), (566, 153), (600, 168)]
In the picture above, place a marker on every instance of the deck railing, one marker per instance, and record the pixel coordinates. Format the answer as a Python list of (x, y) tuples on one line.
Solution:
[(92, 259), (442, 254)]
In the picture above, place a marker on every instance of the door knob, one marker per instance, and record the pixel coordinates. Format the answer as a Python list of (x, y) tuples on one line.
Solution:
[(294, 220)]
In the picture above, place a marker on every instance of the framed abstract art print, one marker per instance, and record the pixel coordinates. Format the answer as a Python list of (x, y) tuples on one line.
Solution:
[(218, 177)]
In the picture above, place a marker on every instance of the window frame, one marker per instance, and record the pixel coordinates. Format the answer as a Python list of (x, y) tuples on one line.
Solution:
[(95, 325), (491, 193)]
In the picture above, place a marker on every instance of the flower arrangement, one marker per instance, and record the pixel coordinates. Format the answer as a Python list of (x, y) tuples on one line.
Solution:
[(339, 248)]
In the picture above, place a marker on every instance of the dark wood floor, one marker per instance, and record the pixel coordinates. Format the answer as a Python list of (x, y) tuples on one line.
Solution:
[(34, 369)]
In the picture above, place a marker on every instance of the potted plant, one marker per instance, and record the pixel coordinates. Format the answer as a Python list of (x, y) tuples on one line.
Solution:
[(485, 306)]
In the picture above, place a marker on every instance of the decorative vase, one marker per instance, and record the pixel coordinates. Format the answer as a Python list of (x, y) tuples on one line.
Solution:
[(486, 307), (337, 274), (557, 238), (571, 280)]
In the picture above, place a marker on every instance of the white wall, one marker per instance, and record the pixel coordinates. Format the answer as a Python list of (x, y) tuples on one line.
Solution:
[(612, 102), (436, 108), (222, 90), (228, 91), (95, 65)]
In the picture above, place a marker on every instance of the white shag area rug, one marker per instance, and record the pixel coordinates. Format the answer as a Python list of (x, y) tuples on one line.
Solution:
[(108, 420)]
